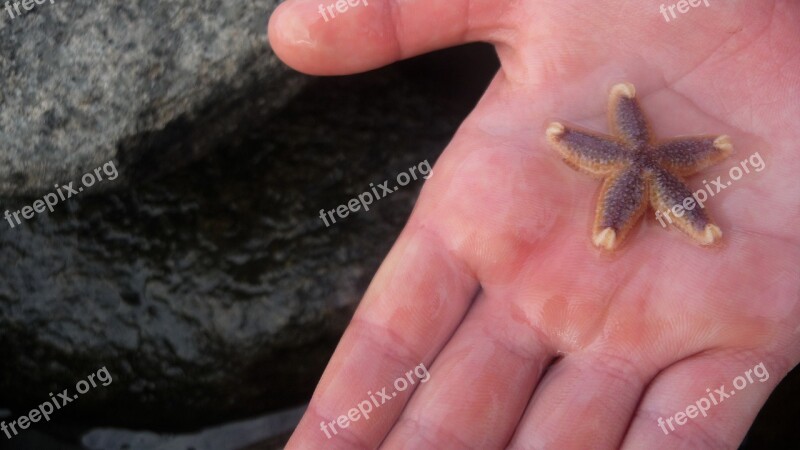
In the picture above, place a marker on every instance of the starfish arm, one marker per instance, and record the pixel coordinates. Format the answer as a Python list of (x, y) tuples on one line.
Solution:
[(626, 118), (689, 155), (623, 200), (667, 193), (593, 153)]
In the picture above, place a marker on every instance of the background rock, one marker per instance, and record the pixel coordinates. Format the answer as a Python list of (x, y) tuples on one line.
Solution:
[(216, 292), (87, 81), (257, 433)]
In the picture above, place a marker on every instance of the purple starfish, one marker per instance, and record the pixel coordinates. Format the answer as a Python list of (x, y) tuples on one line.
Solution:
[(636, 168)]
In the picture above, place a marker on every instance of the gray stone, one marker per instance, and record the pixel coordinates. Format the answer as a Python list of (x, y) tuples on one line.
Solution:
[(83, 82), (267, 432)]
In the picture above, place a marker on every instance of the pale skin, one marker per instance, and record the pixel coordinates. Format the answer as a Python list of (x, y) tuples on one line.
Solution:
[(495, 276)]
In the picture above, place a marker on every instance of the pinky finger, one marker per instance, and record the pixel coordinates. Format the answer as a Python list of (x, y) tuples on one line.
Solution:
[(707, 401)]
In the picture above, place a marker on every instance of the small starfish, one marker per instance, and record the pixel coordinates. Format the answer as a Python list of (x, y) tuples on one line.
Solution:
[(636, 167)]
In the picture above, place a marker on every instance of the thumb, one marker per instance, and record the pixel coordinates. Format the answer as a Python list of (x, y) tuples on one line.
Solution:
[(334, 37)]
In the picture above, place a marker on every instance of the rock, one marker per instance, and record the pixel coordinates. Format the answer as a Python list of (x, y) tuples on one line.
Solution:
[(85, 82), (268, 432), (216, 292)]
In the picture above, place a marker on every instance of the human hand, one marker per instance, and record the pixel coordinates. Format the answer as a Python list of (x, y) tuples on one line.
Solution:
[(533, 337)]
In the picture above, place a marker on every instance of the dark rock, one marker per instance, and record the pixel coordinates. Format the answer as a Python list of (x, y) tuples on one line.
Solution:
[(216, 292), (86, 81)]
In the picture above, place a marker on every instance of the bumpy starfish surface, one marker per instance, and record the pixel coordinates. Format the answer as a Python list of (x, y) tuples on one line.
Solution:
[(638, 169)]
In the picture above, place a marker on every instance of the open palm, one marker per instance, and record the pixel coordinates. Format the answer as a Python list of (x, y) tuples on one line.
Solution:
[(533, 337)]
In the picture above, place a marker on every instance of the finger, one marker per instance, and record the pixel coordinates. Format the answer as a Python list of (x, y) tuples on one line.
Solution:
[(584, 400), (682, 408), (480, 383), (329, 37), (417, 299)]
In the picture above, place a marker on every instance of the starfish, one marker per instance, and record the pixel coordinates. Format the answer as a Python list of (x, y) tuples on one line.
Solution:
[(638, 170)]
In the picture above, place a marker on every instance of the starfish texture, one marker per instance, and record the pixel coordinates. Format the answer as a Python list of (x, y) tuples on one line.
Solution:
[(638, 170)]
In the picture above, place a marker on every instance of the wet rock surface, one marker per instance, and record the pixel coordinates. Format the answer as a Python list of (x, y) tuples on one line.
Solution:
[(84, 82), (216, 292)]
